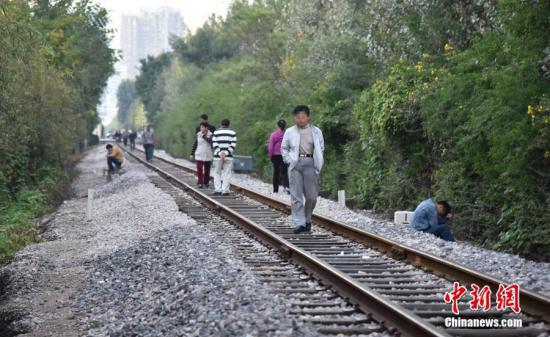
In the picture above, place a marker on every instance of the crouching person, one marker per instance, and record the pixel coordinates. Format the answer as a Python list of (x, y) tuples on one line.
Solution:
[(302, 149), (434, 218), (115, 157)]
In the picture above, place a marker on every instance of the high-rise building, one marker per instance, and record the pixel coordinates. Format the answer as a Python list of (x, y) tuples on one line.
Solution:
[(147, 34)]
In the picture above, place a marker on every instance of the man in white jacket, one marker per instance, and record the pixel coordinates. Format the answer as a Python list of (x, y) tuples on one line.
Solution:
[(302, 149)]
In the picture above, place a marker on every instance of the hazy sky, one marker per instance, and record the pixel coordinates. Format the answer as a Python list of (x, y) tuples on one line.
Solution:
[(195, 12)]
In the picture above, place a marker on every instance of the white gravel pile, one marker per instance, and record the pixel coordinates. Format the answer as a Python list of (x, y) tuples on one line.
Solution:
[(531, 275), (124, 211)]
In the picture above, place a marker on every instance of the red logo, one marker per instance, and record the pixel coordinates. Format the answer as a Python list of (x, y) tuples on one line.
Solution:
[(480, 297), (506, 297), (454, 296)]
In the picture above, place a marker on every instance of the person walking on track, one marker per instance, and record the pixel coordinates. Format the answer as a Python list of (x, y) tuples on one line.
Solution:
[(280, 168), (202, 152), (149, 143), (302, 149), (125, 136), (132, 137), (224, 142)]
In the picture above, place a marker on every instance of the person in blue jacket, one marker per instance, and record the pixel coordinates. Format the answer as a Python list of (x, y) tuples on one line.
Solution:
[(434, 218)]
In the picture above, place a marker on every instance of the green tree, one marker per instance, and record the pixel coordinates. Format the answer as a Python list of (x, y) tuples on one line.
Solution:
[(126, 94), (54, 62), (146, 82), (205, 46)]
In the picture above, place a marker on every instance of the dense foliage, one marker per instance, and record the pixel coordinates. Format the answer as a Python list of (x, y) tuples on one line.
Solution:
[(54, 62), (431, 98)]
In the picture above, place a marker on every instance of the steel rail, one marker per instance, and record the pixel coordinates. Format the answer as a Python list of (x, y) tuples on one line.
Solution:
[(389, 314), (531, 302)]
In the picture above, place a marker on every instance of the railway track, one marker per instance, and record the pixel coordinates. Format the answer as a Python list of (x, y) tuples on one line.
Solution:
[(312, 302), (392, 287)]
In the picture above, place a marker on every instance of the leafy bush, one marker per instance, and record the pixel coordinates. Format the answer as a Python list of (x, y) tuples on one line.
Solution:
[(17, 218)]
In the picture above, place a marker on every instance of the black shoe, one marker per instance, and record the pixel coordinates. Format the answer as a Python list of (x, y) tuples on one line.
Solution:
[(299, 230), (225, 193), (217, 193), (308, 227), (206, 186), (200, 185)]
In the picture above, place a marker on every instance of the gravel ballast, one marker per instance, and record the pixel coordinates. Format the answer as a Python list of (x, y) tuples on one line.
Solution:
[(138, 268), (529, 274), (181, 282)]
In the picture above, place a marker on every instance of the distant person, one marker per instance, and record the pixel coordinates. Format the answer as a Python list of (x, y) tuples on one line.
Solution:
[(118, 135), (202, 153), (149, 143), (204, 119), (132, 137), (302, 149), (115, 158), (224, 142), (432, 217), (125, 135), (280, 168)]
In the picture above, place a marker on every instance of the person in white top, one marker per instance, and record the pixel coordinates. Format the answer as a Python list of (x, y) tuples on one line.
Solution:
[(149, 143), (203, 154), (302, 149)]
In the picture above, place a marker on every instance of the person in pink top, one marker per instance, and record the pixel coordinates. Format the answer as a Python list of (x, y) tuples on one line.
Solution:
[(280, 168)]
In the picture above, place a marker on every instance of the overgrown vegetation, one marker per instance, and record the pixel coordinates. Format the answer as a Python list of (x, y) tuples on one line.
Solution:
[(54, 62), (417, 99)]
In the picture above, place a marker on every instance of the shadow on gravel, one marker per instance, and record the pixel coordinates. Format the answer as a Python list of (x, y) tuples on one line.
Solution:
[(8, 327)]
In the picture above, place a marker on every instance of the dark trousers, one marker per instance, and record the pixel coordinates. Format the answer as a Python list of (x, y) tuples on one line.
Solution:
[(113, 161), (280, 172), (441, 231), (203, 171), (149, 148)]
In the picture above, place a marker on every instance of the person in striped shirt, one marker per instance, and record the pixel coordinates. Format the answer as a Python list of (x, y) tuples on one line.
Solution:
[(224, 142)]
